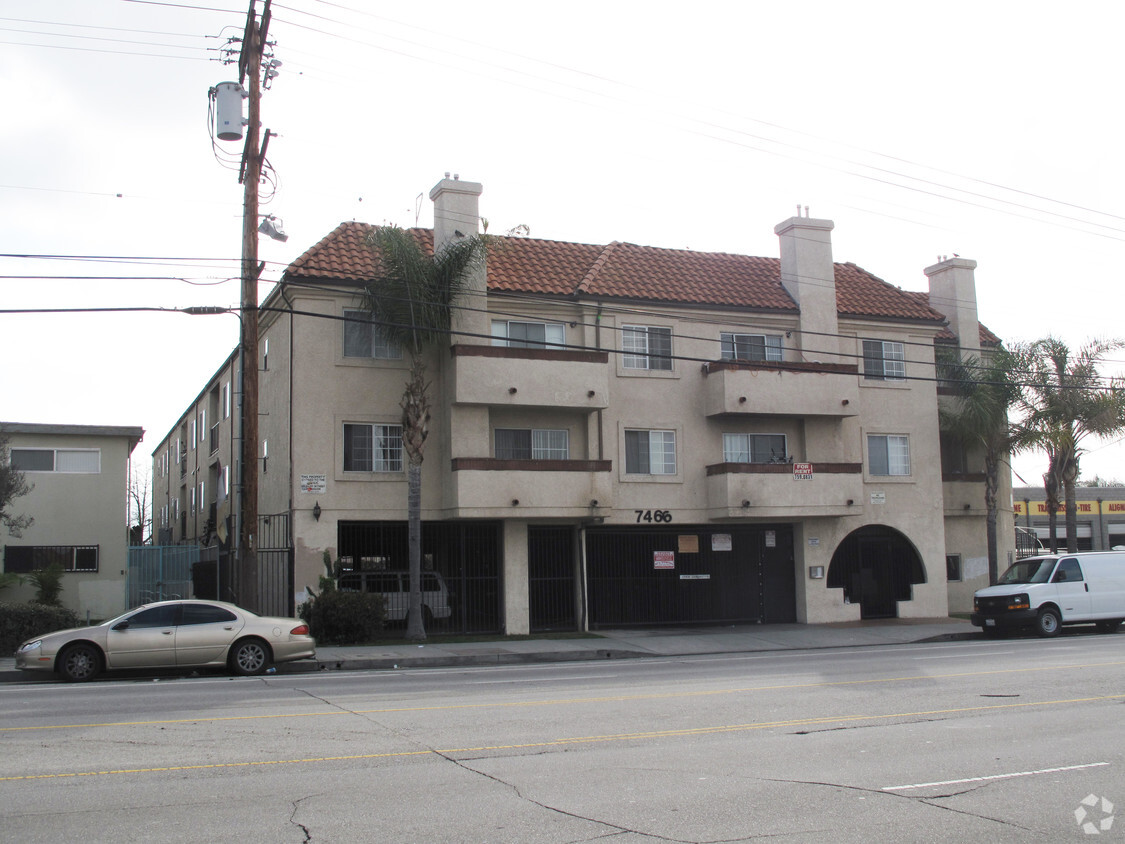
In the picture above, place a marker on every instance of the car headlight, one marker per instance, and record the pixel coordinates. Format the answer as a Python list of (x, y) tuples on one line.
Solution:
[(31, 645), (1019, 602)]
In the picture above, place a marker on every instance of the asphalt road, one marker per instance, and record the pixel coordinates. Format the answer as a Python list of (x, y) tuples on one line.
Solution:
[(976, 740)]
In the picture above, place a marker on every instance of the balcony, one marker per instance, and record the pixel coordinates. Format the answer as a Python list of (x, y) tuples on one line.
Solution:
[(560, 378), (963, 493), (485, 487), (781, 389), (780, 491)]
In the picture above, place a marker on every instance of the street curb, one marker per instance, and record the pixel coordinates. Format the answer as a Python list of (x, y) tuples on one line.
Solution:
[(391, 663)]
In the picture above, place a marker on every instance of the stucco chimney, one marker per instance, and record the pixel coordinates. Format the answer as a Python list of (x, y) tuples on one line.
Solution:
[(808, 274), (457, 215), (456, 209), (953, 292)]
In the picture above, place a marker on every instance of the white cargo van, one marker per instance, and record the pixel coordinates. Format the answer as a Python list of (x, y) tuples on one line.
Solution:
[(394, 586), (1050, 590)]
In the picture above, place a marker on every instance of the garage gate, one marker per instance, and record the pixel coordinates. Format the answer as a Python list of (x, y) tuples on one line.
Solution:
[(686, 575)]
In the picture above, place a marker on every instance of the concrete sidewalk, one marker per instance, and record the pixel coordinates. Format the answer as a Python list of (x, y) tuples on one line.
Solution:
[(620, 644)]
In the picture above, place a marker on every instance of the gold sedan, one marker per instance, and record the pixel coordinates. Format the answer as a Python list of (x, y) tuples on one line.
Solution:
[(170, 634)]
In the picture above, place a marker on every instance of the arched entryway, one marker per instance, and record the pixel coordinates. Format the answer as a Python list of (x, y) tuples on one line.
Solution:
[(877, 567)]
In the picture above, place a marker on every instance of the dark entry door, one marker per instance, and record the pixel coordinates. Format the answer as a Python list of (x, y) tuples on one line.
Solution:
[(550, 579)]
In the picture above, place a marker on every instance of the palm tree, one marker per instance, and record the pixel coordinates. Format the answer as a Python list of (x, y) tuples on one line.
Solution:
[(412, 299), (1067, 402), (985, 390)]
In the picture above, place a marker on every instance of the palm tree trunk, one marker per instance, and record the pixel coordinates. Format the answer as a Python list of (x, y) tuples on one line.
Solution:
[(991, 484), (415, 627), (415, 429)]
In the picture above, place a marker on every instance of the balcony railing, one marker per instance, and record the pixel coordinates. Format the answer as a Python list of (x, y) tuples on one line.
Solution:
[(781, 388), (514, 488), (562, 378), (773, 490)]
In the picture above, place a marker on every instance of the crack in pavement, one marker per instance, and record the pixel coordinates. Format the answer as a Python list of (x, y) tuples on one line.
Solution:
[(293, 816), (867, 726), (916, 799)]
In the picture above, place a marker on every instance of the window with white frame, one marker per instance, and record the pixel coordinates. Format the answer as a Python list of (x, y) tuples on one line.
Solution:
[(527, 335), (202, 496), (164, 516), (888, 454), (646, 347), (372, 448), (74, 461), (364, 339), (191, 434), (191, 494), (226, 400), (176, 507), (750, 346), (754, 448), (650, 452), (202, 425), (884, 360), (531, 444)]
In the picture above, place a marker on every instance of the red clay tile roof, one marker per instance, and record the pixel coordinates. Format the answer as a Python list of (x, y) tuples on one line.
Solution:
[(987, 338), (625, 271)]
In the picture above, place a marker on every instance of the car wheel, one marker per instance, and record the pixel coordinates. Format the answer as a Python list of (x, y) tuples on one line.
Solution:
[(1109, 626), (249, 657), (79, 663), (1048, 622)]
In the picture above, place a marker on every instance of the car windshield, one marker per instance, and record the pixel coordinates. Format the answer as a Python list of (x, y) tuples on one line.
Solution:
[(1033, 570)]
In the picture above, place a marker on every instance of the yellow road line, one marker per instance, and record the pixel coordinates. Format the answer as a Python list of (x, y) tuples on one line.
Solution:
[(560, 701), (613, 737)]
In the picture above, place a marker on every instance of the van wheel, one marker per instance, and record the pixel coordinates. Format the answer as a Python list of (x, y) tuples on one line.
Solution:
[(1048, 622), (1109, 626)]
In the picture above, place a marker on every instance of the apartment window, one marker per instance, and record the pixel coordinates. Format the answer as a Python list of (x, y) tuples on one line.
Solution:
[(226, 400), (202, 425), (74, 461), (191, 434), (527, 335), (750, 346), (888, 454), (265, 456), (176, 507), (650, 452), (164, 516), (953, 567), (224, 480), (754, 448), (27, 558), (884, 360), (372, 448), (192, 501), (202, 496), (531, 444), (646, 347), (365, 339), (266, 353)]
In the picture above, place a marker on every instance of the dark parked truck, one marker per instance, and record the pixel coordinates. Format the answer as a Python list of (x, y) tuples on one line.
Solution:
[(1051, 590)]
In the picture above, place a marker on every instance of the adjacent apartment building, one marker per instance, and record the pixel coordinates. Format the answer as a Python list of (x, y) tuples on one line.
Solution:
[(620, 435), (79, 476)]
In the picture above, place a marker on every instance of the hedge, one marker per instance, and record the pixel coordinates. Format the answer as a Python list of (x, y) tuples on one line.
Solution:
[(19, 622), (344, 618)]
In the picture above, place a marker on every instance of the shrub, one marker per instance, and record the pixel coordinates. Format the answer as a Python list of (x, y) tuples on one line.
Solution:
[(48, 584), (344, 618), (19, 622)]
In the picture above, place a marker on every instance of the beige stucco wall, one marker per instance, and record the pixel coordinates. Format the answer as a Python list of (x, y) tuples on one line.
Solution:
[(80, 509)]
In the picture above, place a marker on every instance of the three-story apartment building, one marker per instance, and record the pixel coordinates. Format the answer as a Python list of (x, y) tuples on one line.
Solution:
[(620, 435)]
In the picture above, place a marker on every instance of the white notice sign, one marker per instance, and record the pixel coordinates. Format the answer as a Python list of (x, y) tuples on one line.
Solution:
[(314, 483), (663, 559)]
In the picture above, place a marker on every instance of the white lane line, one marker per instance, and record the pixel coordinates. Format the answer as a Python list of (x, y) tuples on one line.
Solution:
[(994, 777), (962, 656)]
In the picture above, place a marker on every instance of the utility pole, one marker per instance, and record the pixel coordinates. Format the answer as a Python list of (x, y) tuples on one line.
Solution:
[(250, 70)]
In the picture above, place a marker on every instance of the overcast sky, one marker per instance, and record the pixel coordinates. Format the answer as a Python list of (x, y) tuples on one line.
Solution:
[(990, 130)]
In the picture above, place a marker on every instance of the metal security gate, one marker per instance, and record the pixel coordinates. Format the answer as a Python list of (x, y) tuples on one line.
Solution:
[(551, 579), (690, 574), (160, 573), (467, 555), (275, 566)]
